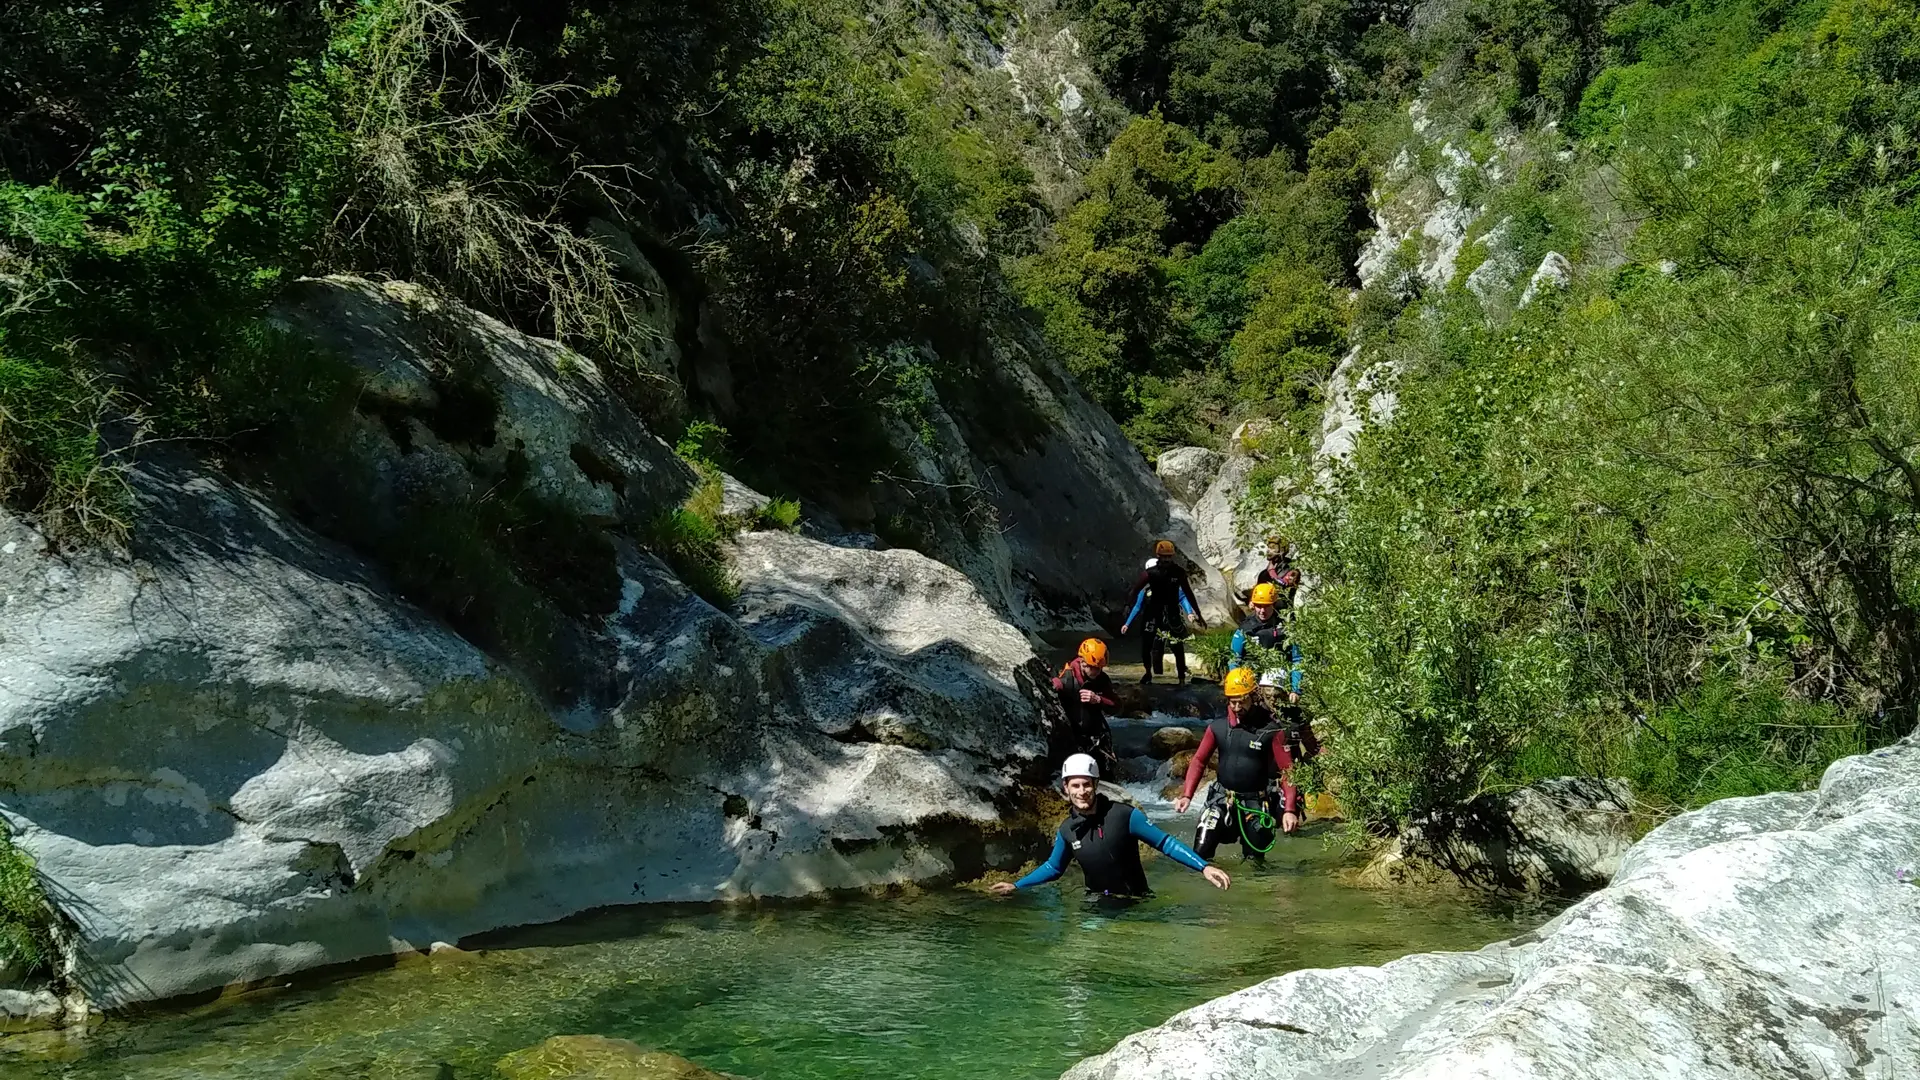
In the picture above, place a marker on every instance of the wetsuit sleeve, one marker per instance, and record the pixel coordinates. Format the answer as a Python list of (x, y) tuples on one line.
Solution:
[(1283, 761), (1139, 601), (1170, 846), (1295, 659), (1104, 692), (1055, 865), (1239, 644), (1187, 600), (1198, 765)]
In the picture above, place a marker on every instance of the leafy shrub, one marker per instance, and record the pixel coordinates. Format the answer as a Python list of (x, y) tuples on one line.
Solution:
[(783, 514)]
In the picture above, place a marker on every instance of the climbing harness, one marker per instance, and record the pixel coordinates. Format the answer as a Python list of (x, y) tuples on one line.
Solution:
[(1261, 819)]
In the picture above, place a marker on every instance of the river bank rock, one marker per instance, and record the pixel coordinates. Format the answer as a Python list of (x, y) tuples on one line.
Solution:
[(1766, 938), (236, 754), (595, 1057), (1562, 835)]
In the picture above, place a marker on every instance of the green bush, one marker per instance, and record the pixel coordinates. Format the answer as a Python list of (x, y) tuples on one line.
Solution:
[(783, 514), (1724, 740)]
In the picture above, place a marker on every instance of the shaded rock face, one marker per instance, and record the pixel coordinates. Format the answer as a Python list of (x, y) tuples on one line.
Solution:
[(1562, 835), (239, 752), (1767, 938)]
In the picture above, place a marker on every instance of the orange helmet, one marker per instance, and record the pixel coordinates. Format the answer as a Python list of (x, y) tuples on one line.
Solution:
[(1265, 593), (1094, 651), (1239, 682), (1164, 549)]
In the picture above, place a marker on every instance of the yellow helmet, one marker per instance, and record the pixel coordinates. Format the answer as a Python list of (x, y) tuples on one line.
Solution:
[(1265, 593), (1164, 549), (1276, 545), (1094, 651), (1239, 682)]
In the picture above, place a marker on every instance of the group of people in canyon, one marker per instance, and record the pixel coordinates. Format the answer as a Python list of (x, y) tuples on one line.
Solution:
[(1252, 799)]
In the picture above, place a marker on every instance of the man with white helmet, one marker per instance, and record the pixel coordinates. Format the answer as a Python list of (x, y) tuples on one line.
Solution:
[(1104, 837)]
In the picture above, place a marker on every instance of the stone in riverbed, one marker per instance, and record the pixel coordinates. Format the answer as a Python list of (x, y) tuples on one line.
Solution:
[(595, 1057), (1168, 741)]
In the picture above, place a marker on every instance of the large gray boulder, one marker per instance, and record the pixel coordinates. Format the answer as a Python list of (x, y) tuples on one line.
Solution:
[(1767, 938), (1188, 470), (1565, 834), (237, 751), (236, 754)]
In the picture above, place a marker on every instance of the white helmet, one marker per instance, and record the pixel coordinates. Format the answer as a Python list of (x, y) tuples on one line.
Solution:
[(1079, 765)]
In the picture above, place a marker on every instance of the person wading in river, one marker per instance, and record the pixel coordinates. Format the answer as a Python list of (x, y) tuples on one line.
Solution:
[(1254, 758), (1165, 597), (1104, 837), (1086, 693), (1267, 628)]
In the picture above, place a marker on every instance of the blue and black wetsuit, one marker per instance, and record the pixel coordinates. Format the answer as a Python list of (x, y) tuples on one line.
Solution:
[(1163, 600), (1268, 633), (1106, 843)]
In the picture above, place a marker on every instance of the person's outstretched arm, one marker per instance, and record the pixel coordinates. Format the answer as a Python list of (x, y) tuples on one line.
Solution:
[(1198, 766), (1294, 660), (1239, 644), (1055, 865), (1170, 846), (1139, 601)]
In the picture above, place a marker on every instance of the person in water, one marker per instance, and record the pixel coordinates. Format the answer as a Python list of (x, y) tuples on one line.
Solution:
[(1162, 602), (1104, 837), (1266, 627), (1086, 693), (1254, 759)]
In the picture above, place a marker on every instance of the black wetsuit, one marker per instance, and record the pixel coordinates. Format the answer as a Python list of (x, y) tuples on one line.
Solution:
[(1160, 598), (1087, 720)]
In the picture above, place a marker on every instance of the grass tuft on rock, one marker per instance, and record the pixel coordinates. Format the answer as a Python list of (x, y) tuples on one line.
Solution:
[(26, 919)]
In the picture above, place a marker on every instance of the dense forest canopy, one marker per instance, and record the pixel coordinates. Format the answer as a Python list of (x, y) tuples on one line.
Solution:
[(1656, 522)]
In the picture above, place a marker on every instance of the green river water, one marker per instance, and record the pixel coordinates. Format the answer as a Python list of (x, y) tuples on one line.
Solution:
[(946, 983)]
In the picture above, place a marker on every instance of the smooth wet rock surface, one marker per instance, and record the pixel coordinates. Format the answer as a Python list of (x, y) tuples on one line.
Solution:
[(1768, 938)]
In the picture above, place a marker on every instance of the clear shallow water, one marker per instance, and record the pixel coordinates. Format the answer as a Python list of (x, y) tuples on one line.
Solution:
[(948, 983)]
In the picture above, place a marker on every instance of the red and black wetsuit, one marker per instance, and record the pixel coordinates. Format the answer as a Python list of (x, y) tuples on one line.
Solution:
[(1087, 720), (1277, 577), (1253, 752)]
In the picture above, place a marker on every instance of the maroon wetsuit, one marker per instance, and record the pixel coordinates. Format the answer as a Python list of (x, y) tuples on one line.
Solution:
[(1276, 745)]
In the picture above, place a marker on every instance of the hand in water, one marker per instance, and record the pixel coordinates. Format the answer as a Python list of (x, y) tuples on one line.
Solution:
[(1217, 876), (1289, 821), (1000, 888), (1180, 804)]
